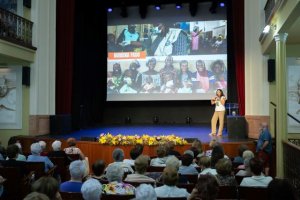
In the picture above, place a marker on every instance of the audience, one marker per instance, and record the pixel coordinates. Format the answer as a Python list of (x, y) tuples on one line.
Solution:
[(134, 153), (77, 170), (216, 155), (161, 157), (43, 146), (98, 168), (35, 156), (247, 155), (36, 196), (197, 149), (118, 156), (239, 158), (57, 152), (171, 149), (246, 171), (145, 192), (224, 170), (141, 165), (91, 189), (279, 189), (258, 179), (72, 149), (169, 189), (207, 188), (114, 176), (48, 186), (187, 165), (204, 164)]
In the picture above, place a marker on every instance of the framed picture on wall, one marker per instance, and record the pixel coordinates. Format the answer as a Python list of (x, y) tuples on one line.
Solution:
[(293, 95), (11, 98)]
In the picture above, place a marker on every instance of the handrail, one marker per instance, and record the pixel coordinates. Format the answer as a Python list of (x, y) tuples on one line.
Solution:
[(15, 29)]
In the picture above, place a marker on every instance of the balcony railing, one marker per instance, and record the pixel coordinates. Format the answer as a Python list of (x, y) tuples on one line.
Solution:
[(15, 29)]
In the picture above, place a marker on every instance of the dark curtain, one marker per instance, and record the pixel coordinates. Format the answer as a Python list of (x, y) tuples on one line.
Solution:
[(64, 55)]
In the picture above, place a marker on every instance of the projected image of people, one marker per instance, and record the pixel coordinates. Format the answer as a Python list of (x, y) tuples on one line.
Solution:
[(166, 60)]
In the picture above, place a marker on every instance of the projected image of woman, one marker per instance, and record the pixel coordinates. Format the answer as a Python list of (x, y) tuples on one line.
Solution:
[(114, 79), (219, 114), (184, 74), (151, 75), (218, 78), (201, 76), (168, 76)]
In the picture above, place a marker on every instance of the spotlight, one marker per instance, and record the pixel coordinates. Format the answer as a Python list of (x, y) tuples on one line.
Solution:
[(157, 7), (222, 4), (178, 6), (109, 10)]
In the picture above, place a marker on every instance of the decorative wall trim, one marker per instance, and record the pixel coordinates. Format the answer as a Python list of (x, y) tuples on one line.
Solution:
[(254, 124), (39, 125)]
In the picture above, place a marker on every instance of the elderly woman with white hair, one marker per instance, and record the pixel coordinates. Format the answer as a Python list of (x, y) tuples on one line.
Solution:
[(114, 176), (44, 148), (58, 153), (35, 156), (77, 170), (91, 189), (145, 192), (118, 156)]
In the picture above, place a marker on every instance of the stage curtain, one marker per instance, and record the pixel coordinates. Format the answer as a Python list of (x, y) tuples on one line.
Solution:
[(64, 55), (239, 51)]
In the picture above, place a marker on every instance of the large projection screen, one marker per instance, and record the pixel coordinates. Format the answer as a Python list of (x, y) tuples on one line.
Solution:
[(169, 55)]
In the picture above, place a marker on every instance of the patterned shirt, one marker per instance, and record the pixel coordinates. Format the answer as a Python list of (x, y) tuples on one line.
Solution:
[(118, 188)]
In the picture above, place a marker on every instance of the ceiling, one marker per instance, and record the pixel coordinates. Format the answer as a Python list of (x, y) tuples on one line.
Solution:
[(294, 33)]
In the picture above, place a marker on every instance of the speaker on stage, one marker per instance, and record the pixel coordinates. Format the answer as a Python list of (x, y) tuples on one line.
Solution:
[(236, 127), (60, 124)]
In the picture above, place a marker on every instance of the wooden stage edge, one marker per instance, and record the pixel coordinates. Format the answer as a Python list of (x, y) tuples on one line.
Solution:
[(95, 151)]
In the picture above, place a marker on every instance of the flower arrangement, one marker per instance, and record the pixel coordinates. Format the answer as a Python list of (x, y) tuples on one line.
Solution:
[(136, 139)]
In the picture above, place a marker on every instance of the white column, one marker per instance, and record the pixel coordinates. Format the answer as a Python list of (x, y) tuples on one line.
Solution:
[(42, 88), (281, 102)]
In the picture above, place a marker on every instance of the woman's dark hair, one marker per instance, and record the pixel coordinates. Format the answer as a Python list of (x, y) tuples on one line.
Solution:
[(256, 166), (46, 185), (98, 167), (222, 93), (216, 154), (207, 188), (187, 159)]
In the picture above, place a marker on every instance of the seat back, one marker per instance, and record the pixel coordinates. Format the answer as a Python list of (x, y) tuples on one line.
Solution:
[(155, 169), (192, 178), (116, 197), (239, 179), (73, 156), (37, 167), (257, 193), (171, 198), (137, 184), (227, 192), (71, 195), (61, 169)]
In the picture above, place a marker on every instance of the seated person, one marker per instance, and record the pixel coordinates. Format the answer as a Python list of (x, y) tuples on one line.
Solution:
[(12, 155), (207, 187), (134, 153), (224, 170), (258, 179), (98, 168), (187, 165), (239, 158), (91, 189), (197, 149), (36, 157), (246, 171), (140, 164), (114, 176), (118, 156), (169, 189), (77, 170), (36, 196), (72, 149), (161, 157), (246, 155), (57, 152), (171, 149), (145, 192), (14, 140), (204, 164), (43, 146), (48, 186)]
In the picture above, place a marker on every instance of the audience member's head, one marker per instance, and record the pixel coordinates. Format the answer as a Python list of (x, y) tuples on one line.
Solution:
[(46, 185), (204, 162), (12, 151), (224, 167), (114, 173), (189, 152), (173, 162), (140, 147), (71, 142), (247, 154), (36, 196), (170, 176), (91, 189), (77, 170), (170, 145), (256, 166), (118, 155), (35, 148), (141, 164), (161, 151), (207, 188), (98, 167), (216, 154), (197, 144), (279, 189), (145, 192), (213, 143), (42, 144), (56, 145), (241, 149), (135, 152), (187, 159)]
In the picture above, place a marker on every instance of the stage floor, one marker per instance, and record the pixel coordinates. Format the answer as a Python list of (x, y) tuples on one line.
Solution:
[(200, 132)]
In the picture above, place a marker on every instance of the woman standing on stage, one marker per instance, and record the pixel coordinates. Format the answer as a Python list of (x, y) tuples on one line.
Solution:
[(219, 101)]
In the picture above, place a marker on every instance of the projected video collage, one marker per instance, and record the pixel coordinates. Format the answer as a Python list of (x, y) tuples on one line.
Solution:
[(174, 61)]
